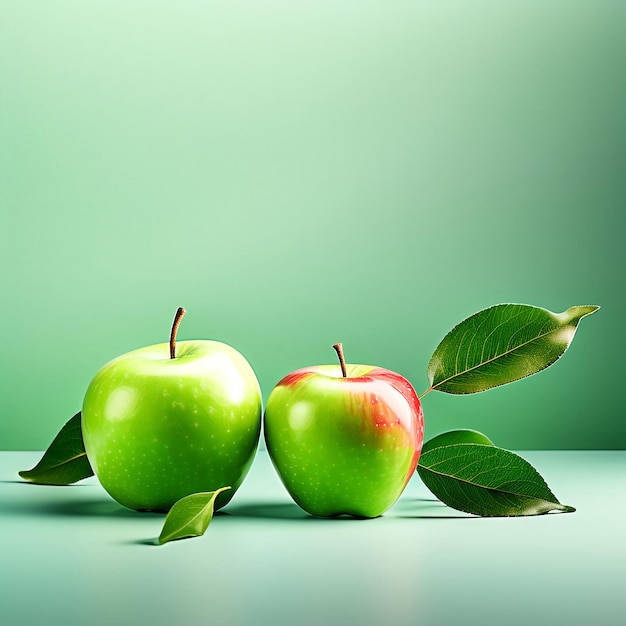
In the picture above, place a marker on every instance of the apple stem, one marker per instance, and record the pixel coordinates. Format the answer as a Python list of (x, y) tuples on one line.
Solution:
[(339, 350), (179, 316)]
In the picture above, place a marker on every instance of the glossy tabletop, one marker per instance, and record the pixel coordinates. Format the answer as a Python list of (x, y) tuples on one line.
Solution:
[(71, 555)]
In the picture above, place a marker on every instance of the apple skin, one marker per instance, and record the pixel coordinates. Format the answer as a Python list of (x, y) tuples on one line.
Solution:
[(157, 429), (344, 446)]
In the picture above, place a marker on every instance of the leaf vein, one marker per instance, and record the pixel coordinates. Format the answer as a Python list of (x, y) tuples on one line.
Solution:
[(491, 360), (486, 487)]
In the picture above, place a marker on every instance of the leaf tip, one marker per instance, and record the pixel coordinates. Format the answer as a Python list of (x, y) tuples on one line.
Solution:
[(576, 313)]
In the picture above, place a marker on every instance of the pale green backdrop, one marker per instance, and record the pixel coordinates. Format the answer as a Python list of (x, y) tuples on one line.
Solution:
[(298, 173)]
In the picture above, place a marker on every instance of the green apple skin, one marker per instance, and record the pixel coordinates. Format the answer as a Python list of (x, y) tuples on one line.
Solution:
[(344, 446), (157, 429)]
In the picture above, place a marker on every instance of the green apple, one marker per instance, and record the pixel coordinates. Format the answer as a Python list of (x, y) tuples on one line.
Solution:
[(344, 439), (168, 420)]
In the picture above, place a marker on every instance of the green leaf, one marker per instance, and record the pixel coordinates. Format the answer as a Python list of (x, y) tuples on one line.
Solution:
[(190, 516), (65, 461), (502, 344), (486, 480), (464, 435)]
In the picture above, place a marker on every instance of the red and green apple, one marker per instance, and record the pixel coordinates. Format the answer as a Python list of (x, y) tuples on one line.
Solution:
[(165, 421), (344, 439)]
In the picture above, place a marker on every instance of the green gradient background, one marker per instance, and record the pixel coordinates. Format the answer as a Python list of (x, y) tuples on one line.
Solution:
[(301, 173)]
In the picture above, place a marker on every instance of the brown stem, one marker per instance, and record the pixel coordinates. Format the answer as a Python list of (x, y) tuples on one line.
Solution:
[(339, 350), (427, 391), (179, 316)]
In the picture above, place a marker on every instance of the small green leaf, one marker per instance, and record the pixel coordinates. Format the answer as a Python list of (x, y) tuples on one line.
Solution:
[(464, 435), (65, 461), (502, 344), (190, 516), (486, 480)]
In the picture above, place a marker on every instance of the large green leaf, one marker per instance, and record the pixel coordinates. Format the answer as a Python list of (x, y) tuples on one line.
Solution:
[(486, 480), (65, 461), (502, 344), (190, 516)]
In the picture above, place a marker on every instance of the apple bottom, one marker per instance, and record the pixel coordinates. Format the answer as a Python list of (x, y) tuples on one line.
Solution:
[(359, 497), (155, 479), (362, 484)]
